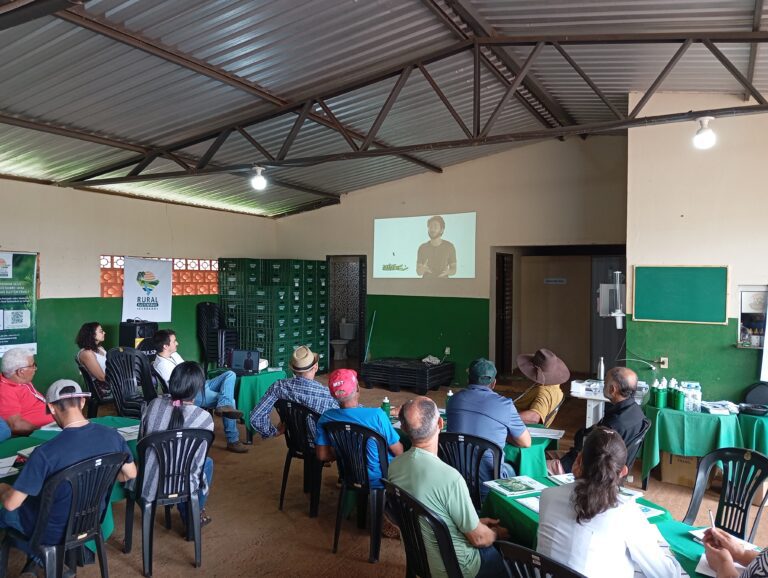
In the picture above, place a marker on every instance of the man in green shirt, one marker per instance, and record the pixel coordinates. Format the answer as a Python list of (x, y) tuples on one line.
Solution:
[(443, 490)]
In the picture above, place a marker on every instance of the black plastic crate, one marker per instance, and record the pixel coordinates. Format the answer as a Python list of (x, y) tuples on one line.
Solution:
[(398, 372)]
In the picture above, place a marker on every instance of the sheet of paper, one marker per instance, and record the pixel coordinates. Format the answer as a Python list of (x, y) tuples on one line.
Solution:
[(699, 537), (562, 479), (53, 426), (8, 472), (649, 512), (542, 432), (129, 433), (6, 464), (704, 568), (26, 452), (517, 486), (532, 503)]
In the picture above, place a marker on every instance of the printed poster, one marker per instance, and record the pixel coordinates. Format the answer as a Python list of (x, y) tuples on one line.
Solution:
[(147, 285), (18, 301)]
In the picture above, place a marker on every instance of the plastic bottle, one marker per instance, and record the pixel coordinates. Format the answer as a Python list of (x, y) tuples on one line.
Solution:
[(601, 370), (448, 398), (385, 407), (696, 398), (662, 394), (655, 393)]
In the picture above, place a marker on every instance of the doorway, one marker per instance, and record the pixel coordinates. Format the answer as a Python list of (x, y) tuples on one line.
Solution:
[(347, 276), (504, 312)]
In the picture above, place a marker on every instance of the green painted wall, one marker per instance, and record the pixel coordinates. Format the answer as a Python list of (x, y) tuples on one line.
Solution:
[(58, 321), (421, 326), (697, 352)]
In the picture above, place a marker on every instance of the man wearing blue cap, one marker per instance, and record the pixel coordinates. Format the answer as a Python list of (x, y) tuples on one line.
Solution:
[(479, 411)]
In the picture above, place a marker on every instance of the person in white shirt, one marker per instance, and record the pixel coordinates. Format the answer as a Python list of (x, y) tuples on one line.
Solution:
[(218, 392), (587, 527)]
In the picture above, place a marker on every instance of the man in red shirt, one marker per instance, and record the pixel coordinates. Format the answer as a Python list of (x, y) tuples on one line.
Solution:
[(21, 405)]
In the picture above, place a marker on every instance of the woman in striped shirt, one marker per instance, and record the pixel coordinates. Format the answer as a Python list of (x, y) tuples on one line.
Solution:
[(178, 411)]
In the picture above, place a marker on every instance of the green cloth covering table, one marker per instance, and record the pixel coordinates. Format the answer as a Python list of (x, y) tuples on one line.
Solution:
[(252, 389), (118, 493), (530, 461), (12, 446), (523, 526), (754, 430), (687, 433)]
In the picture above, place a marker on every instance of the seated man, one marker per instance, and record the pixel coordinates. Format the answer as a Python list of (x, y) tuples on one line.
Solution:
[(21, 405), (218, 392), (344, 388), (79, 440), (479, 411), (547, 371), (443, 490), (301, 388), (622, 415)]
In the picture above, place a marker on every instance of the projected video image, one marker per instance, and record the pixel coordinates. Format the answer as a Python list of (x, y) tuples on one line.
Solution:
[(427, 247)]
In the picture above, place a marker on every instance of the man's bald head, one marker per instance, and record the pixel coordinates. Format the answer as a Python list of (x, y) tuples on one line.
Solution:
[(624, 381), (419, 417)]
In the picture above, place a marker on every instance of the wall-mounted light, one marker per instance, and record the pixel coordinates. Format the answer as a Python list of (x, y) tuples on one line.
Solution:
[(705, 137), (259, 181)]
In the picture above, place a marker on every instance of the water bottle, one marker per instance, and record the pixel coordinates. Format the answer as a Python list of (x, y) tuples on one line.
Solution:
[(385, 407), (448, 398), (601, 370), (696, 398), (655, 393), (662, 394)]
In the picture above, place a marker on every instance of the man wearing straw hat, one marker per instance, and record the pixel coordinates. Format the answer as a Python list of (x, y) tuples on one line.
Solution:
[(301, 388), (547, 371)]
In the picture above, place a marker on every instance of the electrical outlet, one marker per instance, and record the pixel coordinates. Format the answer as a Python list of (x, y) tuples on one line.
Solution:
[(447, 350), (664, 362)]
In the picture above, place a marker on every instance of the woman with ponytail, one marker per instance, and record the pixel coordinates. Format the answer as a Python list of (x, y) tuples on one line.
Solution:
[(177, 410), (589, 527)]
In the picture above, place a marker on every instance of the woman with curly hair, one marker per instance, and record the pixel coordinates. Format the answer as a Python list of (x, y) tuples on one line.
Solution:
[(589, 527), (92, 354)]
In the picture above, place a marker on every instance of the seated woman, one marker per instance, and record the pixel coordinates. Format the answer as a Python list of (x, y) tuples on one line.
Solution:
[(92, 355), (178, 411), (585, 525), (723, 550)]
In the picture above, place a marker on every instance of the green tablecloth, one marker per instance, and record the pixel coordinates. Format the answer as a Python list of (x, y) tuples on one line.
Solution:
[(530, 461), (252, 389), (523, 525), (687, 434), (754, 430), (12, 446)]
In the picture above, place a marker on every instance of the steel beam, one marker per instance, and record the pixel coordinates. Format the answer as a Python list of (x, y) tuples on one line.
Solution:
[(732, 37), (294, 132), (511, 89), (757, 21), (101, 26), (18, 12), (388, 104), (255, 144), (735, 72), (660, 78), (445, 101), (598, 128), (213, 149), (480, 27), (616, 112)]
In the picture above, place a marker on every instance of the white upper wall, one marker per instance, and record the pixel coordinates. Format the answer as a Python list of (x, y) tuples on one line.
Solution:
[(71, 229), (692, 207), (550, 193)]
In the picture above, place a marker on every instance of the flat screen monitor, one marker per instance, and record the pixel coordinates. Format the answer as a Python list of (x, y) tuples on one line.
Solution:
[(245, 360)]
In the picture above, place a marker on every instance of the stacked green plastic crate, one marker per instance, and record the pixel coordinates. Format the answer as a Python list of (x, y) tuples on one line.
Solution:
[(277, 306)]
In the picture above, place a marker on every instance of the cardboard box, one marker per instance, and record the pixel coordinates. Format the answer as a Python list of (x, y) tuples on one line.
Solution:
[(680, 470)]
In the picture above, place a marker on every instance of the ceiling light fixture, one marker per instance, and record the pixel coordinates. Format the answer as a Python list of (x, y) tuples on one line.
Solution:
[(259, 181), (705, 137)]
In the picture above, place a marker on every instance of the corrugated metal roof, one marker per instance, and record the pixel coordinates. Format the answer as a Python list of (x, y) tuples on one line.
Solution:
[(54, 71)]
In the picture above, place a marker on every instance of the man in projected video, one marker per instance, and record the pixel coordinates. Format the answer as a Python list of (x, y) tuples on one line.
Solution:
[(436, 257)]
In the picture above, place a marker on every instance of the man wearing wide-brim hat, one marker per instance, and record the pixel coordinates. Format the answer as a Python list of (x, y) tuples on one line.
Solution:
[(547, 371), (301, 388)]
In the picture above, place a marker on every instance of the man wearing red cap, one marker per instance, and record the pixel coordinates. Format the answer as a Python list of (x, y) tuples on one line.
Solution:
[(344, 388), (547, 371)]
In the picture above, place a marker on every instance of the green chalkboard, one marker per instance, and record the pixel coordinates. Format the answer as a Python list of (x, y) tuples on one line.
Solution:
[(681, 294)]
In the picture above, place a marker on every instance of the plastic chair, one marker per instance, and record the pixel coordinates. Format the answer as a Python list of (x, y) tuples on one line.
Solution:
[(523, 562), (130, 378), (743, 472), (464, 453), (91, 483), (300, 439), (350, 442), (97, 393), (176, 452), (633, 445), (411, 516)]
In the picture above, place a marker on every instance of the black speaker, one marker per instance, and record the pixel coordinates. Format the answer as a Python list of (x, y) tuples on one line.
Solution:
[(132, 333)]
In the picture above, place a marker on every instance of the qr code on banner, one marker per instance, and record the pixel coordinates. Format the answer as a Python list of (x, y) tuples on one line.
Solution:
[(16, 319)]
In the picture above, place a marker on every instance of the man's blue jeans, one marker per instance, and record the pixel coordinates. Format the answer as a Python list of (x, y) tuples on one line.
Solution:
[(201, 497), (492, 563), (218, 392)]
